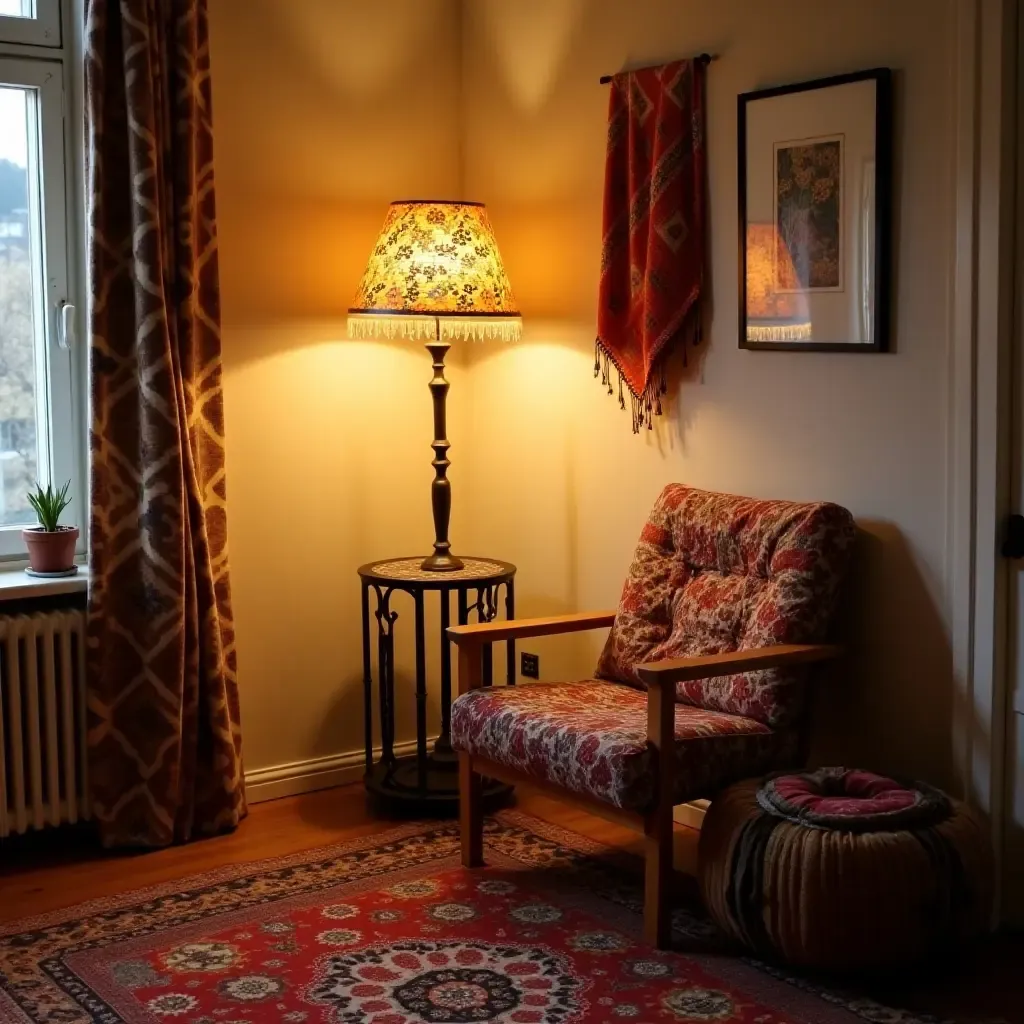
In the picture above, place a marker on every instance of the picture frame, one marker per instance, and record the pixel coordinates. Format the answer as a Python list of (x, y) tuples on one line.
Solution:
[(815, 214)]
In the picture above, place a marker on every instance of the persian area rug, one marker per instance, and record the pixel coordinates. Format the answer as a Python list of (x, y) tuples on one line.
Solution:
[(392, 930)]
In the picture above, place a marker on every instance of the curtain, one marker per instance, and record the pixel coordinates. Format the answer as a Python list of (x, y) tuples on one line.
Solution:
[(164, 738)]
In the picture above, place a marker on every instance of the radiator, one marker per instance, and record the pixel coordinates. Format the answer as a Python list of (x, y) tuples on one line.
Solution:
[(42, 721)]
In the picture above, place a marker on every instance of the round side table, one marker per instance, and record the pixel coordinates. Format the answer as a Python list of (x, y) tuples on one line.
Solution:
[(427, 781)]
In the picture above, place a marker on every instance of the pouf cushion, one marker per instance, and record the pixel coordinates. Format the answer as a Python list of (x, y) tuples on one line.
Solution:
[(844, 870)]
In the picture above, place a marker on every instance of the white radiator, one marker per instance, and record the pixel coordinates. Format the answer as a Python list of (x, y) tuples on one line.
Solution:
[(42, 720)]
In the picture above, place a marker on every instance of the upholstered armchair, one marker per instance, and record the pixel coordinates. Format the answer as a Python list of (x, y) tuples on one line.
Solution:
[(702, 681)]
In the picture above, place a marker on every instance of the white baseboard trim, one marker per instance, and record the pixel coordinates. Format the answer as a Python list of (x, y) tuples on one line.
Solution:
[(691, 815), (262, 784), (308, 776)]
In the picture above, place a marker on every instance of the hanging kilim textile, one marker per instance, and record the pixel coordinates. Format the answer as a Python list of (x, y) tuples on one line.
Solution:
[(654, 243)]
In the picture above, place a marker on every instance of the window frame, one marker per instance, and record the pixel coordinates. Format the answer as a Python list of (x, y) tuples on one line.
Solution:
[(57, 74), (41, 30)]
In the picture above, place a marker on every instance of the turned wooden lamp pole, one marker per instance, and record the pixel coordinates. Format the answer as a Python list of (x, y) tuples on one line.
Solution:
[(442, 560), (436, 274)]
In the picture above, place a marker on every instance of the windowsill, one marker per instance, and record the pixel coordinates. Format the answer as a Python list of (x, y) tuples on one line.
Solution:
[(17, 585)]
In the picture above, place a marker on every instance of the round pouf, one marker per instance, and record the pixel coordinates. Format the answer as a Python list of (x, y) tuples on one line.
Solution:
[(844, 870)]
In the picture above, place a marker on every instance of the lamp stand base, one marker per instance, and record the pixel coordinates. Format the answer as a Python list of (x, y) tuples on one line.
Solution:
[(441, 563)]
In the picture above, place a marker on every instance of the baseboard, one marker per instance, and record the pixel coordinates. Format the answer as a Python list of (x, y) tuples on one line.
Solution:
[(308, 776), (691, 815), (281, 780)]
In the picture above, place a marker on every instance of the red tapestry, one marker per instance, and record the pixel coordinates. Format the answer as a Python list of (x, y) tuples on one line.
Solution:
[(653, 255)]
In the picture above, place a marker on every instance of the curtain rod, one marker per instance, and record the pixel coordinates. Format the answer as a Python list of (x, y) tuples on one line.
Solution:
[(701, 58)]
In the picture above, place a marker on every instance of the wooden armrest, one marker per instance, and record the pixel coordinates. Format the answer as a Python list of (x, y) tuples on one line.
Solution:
[(487, 632), (681, 670)]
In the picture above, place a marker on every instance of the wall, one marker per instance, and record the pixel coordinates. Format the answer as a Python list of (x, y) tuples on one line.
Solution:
[(325, 112), (560, 485)]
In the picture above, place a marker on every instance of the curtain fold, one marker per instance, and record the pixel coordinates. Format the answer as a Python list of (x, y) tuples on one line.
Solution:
[(164, 736)]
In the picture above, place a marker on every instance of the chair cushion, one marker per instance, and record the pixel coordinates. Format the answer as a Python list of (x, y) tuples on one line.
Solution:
[(715, 573), (590, 737)]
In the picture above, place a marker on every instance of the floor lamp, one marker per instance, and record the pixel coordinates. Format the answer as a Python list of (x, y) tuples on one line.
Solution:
[(435, 275)]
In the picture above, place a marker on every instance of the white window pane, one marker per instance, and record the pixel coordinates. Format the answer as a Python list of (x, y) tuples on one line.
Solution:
[(22, 398), (39, 429), (35, 22), (18, 8)]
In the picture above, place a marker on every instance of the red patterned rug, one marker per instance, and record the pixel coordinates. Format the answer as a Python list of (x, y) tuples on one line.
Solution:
[(392, 930)]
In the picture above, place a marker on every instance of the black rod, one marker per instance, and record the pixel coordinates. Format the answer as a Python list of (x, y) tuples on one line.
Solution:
[(701, 58)]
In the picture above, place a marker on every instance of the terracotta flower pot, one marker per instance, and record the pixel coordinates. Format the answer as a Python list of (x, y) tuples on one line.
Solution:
[(51, 552)]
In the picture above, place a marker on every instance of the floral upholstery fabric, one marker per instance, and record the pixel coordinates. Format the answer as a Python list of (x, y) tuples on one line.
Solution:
[(590, 737), (715, 573), (437, 256)]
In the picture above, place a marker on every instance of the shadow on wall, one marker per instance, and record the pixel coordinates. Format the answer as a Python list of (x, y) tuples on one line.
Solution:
[(310, 99), (530, 40), (890, 704)]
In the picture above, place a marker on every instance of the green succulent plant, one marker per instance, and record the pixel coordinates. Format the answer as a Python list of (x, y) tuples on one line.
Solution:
[(49, 504)]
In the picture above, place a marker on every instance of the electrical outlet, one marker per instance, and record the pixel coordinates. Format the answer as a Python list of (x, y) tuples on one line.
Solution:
[(529, 665)]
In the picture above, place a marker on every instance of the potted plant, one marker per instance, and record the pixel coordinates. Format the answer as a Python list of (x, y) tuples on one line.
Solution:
[(51, 547)]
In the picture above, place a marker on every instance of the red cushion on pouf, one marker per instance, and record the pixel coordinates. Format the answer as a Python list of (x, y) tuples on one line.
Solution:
[(844, 869), (852, 800)]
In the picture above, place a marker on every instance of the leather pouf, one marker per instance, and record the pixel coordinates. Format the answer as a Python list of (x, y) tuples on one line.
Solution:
[(844, 870)]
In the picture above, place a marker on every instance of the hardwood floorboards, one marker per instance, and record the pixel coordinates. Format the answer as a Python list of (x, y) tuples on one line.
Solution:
[(57, 870)]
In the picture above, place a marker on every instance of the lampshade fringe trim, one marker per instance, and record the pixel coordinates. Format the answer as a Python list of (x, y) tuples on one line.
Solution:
[(780, 332), (425, 328), (483, 329)]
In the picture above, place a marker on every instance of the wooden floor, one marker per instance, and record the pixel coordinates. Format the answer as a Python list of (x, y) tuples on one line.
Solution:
[(45, 875), (39, 877)]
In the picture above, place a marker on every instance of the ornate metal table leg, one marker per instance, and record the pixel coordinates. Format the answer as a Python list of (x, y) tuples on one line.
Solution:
[(367, 680), (424, 780), (421, 696), (486, 609), (386, 671), (510, 614), (443, 744)]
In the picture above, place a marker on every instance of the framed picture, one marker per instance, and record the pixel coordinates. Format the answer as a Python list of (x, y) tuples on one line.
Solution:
[(815, 211)]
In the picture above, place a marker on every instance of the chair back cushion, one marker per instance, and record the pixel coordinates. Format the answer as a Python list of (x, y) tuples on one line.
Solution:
[(715, 573)]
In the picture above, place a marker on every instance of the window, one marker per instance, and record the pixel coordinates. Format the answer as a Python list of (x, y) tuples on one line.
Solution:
[(30, 21), (38, 435)]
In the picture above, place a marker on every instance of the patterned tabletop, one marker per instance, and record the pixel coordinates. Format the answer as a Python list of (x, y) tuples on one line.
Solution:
[(409, 570)]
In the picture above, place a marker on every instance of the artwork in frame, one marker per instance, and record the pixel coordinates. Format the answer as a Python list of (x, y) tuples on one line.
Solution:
[(809, 215), (815, 176)]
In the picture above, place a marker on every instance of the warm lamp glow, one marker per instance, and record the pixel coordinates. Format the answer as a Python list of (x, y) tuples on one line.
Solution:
[(772, 315), (435, 273)]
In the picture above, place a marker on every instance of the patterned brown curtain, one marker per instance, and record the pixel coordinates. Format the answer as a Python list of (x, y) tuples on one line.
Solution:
[(164, 737)]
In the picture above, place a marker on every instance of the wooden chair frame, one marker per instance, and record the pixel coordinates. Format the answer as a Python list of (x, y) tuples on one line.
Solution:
[(660, 678)]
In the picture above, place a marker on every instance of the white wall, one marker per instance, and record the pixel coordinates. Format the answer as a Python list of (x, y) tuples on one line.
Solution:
[(561, 486)]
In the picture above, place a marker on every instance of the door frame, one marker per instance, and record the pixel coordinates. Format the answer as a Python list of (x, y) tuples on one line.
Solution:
[(980, 435)]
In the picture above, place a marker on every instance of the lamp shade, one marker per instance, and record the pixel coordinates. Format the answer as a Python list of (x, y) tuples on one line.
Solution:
[(773, 315), (435, 272)]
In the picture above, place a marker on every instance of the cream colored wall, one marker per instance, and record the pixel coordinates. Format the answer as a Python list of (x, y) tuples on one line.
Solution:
[(559, 484), (325, 112)]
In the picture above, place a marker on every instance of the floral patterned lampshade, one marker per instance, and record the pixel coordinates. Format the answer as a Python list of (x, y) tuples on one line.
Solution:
[(435, 272), (773, 314)]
